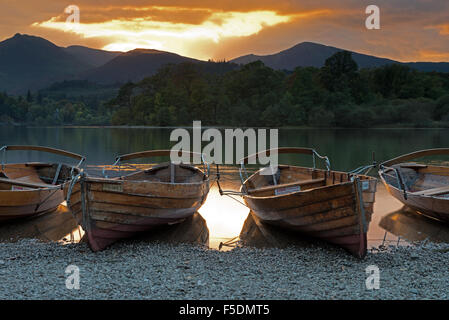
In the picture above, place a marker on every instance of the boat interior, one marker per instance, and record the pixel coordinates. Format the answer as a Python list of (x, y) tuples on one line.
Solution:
[(33, 175), (290, 179), (419, 179), (168, 172)]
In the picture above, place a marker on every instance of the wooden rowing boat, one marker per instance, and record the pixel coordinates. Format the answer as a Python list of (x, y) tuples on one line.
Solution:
[(422, 187), (32, 188), (109, 209), (330, 205)]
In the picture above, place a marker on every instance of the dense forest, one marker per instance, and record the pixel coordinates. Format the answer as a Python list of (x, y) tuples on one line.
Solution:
[(337, 95)]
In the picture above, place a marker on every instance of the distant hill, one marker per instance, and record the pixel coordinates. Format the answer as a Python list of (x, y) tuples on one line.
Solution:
[(429, 66), (28, 62), (92, 57), (32, 63), (133, 66), (309, 54), (79, 90)]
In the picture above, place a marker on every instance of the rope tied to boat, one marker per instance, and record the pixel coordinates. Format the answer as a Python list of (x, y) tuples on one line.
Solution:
[(232, 243), (85, 222), (71, 185), (399, 179), (228, 193), (364, 170), (54, 190)]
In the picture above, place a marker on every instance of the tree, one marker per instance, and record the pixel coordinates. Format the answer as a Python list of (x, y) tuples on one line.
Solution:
[(442, 109), (320, 117), (39, 97), (389, 80), (338, 71), (29, 96)]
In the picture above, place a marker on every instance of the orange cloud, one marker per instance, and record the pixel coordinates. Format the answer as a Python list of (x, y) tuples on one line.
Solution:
[(226, 29), (444, 29), (432, 55), (156, 32)]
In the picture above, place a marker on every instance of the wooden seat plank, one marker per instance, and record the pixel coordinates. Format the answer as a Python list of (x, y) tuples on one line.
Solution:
[(413, 166), (26, 183), (431, 192), (286, 185)]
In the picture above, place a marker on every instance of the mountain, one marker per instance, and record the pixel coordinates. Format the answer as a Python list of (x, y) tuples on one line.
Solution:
[(32, 63), (429, 66), (133, 66), (92, 57), (28, 62), (309, 54)]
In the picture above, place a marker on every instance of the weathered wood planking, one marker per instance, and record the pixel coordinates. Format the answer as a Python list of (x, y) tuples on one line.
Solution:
[(326, 205), (118, 208), (25, 191), (426, 186)]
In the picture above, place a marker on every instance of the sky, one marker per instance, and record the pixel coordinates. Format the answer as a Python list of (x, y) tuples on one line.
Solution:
[(410, 30)]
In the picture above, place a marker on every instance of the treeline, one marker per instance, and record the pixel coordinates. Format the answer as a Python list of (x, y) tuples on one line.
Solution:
[(336, 95), (76, 102)]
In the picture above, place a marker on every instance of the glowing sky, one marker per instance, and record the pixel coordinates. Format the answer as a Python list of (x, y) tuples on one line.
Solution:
[(411, 30)]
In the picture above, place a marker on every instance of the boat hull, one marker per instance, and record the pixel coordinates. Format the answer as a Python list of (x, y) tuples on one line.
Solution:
[(24, 204), (109, 210), (431, 207), (25, 194), (420, 185), (32, 188), (334, 213)]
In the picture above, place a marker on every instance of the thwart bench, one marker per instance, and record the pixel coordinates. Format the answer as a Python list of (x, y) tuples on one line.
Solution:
[(432, 192)]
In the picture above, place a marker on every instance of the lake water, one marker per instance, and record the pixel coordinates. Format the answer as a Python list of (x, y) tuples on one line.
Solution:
[(346, 148)]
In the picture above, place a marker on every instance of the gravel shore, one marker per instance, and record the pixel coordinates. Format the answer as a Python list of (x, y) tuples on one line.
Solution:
[(30, 269)]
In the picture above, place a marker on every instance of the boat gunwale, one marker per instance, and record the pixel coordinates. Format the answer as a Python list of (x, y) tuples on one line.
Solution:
[(119, 181), (50, 187), (246, 196), (410, 194)]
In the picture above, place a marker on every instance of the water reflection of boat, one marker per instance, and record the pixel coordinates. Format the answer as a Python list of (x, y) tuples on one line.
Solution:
[(109, 209), (422, 187), (50, 226), (257, 234), (192, 230), (329, 205), (408, 224), (29, 189)]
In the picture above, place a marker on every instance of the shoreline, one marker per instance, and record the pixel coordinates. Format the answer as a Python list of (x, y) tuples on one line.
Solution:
[(142, 270), (220, 127)]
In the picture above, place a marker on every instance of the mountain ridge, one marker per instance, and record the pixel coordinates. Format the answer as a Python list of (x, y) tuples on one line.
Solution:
[(133, 65), (311, 54), (93, 57), (28, 62), (31, 63)]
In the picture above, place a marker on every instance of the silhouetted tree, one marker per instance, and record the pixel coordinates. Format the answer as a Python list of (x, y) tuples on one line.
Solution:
[(29, 96)]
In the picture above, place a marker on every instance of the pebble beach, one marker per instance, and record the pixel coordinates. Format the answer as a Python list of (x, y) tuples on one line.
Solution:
[(134, 269)]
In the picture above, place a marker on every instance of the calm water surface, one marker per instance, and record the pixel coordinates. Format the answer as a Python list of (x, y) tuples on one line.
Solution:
[(347, 149)]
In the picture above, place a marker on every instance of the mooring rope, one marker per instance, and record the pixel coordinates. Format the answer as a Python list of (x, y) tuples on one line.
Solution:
[(47, 198), (71, 185), (224, 193), (234, 242)]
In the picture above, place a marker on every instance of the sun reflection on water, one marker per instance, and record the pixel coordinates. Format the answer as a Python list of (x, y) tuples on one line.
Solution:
[(224, 216)]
